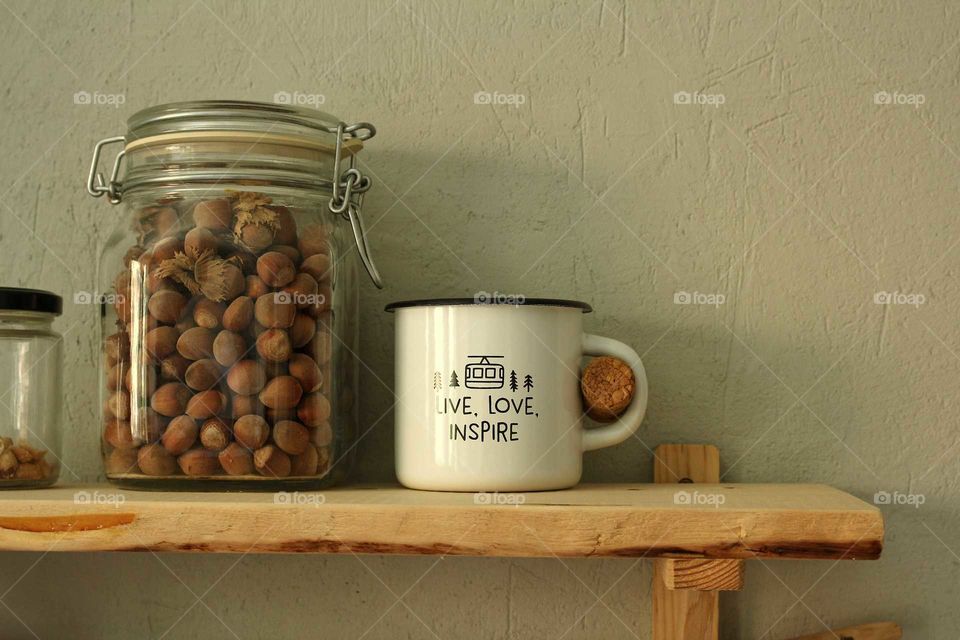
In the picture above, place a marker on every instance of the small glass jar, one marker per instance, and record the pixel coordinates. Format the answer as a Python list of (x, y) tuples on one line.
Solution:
[(230, 352), (30, 382)]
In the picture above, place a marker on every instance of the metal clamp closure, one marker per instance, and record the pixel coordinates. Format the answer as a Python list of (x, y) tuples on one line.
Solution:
[(95, 184)]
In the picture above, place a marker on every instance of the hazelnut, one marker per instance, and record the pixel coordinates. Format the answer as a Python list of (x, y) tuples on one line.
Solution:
[(186, 322), (30, 471), (118, 404), (246, 260), (276, 269), (206, 404), (306, 463), (322, 302), (255, 287), (291, 436), (213, 214), (287, 250), (239, 315), (166, 306), (154, 460), (275, 310), (215, 434), (170, 399), (247, 377), (320, 347), (314, 410), (287, 231), (207, 313), (251, 431), (236, 460), (246, 405), (174, 367), (257, 237), (117, 346), (147, 425), (272, 462), (305, 370), (116, 375), (278, 415), (8, 464), (234, 281), (274, 345), (145, 376), (317, 266), (156, 282), (164, 250), (228, 347), (202, 375), (196, 343), (122, 461), (302, 331), (303, 290), (117, 434), (198, 240), (324, 459), (313, 240), (199, 462), (282, 392), (322, 435), (180, 435), (161, 342)]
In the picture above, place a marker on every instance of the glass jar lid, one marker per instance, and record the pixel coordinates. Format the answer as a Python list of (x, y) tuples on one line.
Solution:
[(34, 300)]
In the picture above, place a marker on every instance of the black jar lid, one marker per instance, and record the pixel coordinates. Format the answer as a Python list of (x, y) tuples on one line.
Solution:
[(486, 299), (17, 299)]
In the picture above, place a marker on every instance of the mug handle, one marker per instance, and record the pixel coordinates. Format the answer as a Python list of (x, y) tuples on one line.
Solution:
[(629, 422)]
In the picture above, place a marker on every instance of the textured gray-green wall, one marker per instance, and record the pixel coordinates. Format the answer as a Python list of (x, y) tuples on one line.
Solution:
[(805, 176)]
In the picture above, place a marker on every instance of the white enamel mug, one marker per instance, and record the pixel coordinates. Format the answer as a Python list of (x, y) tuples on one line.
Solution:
[(488, 395)]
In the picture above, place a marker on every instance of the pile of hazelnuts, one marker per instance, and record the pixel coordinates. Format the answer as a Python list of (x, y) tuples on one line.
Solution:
[(221, 365)]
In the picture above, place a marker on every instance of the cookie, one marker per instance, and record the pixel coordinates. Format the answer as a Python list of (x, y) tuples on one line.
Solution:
[(607, 386)]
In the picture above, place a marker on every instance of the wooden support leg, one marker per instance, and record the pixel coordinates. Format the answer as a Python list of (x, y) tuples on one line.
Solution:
[(686, 591)]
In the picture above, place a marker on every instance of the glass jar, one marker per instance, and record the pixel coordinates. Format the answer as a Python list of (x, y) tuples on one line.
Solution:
[(229, 356), (30, 382)]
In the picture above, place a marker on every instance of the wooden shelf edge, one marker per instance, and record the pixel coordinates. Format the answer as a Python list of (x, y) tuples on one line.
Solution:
[(765, 521)]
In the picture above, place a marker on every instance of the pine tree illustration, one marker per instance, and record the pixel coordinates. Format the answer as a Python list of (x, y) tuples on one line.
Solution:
[(528, 382), (513, 381), (454, 381), (437, 383)]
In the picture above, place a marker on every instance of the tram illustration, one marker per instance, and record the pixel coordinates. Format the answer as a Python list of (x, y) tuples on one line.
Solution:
[(484, 374)]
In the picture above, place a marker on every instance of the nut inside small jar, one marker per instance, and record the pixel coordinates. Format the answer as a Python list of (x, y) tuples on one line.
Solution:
[(21, 463), (222, 362)]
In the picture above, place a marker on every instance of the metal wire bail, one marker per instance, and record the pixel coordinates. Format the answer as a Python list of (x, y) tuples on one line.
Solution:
[(95, 184)]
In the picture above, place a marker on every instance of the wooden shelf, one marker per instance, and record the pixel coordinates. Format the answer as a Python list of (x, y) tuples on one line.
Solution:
[(629, 520)]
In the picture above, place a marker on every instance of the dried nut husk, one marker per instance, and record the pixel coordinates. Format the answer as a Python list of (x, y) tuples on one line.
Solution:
[(236, 460), (275, 310), (302, 331), (313, 240), (207, 274), (305, 370), (239, 315), (282, 392), (196, 343), (229, 347), (120, 461), (251, 431), (306, 463), (270, 461), (215, 434), (318, 267), (198, 240), (274, 345), (213, 214), (255, 287), (180, 435), (247, 377), (202, 375), (244, 405), (154, 460), (276, 269), (170, 399), (206, 404), (166, 306), (208, 314), (255, 223), (292, 437), (199, 462), (314, 410)]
